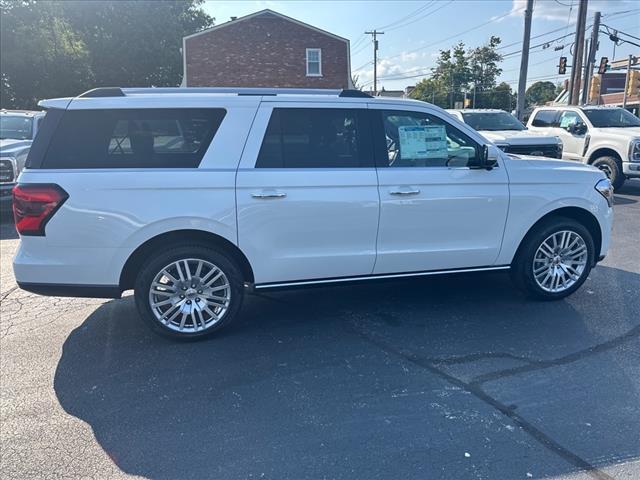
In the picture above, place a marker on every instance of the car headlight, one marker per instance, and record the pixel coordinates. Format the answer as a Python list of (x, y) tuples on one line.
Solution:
[(605, 189), (634, 150)]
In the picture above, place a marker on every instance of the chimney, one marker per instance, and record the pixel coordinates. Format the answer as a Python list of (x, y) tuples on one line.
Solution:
[(233, 18)]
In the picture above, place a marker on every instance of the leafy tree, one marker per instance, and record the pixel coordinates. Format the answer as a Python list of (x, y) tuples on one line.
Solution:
[(484, 71), (540, 93), (41, 55), (432, 91), (452, 71), (61, 48)]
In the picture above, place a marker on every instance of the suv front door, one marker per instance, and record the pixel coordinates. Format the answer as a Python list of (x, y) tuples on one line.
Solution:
[(572, 130), (437, 212), (307, 192)]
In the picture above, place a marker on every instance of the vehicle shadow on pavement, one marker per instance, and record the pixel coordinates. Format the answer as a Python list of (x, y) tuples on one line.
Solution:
[(442, 377)]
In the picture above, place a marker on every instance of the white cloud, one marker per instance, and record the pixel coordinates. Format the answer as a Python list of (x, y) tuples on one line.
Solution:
[(408, 56)]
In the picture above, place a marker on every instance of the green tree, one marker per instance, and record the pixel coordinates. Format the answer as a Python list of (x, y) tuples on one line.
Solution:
[(432, 91), (540, 93), (40, 55), (484, 71), (452, 71), (61, 48)]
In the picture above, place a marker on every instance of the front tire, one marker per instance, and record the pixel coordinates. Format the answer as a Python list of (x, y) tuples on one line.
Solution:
[(189, 292), (612, 169), (554, 260)]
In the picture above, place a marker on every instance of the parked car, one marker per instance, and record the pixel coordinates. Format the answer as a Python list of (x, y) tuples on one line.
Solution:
[(17, 130), (269, 188), (605, 137), (509, 134)]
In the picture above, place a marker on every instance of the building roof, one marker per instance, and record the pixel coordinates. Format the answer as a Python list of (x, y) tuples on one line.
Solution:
[(268, 12)]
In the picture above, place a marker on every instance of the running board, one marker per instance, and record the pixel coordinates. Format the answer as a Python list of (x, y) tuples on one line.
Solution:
[(298, 283)]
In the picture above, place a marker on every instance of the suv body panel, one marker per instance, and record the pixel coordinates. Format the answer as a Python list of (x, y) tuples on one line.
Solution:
[(335, 222)]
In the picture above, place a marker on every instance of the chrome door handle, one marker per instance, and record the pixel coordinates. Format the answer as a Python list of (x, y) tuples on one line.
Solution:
[(269, 195), (404, 192)]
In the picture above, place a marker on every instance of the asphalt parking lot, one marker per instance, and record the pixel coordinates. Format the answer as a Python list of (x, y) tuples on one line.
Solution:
[(445, 377)]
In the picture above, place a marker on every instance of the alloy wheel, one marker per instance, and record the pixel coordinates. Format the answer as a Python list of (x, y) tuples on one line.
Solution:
[(560, 261), (190, 295)]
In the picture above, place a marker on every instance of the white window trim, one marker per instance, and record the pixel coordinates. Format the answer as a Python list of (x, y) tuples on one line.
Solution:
[(319, 50)]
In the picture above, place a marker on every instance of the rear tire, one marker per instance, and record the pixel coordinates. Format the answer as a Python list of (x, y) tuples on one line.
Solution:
[(554, 260), (612, 169), (189, 292)]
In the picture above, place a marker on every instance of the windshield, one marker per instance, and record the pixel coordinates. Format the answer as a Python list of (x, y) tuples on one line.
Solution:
[(612, 117), (17, 127), (492, 121)]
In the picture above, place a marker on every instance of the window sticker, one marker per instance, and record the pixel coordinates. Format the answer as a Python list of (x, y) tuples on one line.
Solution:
[(423, 142)]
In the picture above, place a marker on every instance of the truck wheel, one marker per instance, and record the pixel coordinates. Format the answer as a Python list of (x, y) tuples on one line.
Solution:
[(189, 292), (554, 260), (612, 169)]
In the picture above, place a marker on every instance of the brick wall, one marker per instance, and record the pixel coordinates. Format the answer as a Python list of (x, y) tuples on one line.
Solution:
[(264, 51)]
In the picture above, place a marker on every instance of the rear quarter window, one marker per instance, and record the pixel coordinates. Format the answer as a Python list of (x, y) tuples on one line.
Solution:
[(141, 138), (545, 118)]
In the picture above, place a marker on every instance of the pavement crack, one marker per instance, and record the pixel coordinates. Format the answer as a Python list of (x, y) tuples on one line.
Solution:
[(473, 357), (572, 357), (7, 293), (476, 390)]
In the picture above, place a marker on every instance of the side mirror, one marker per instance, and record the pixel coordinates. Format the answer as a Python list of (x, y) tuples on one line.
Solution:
[(488, 157)]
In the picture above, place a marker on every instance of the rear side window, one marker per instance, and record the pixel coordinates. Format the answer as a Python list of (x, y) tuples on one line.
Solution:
[(145, 138), (316, 138), (545, 118)]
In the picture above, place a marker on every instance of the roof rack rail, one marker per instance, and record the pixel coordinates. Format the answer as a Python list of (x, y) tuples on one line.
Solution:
[(121, 92), (102, 92)]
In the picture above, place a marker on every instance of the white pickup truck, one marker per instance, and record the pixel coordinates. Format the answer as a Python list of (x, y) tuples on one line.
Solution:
[(605, 137), (508, 133)]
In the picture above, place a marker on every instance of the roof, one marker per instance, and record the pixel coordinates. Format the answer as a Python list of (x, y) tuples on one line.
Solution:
[(477, 110), (263, 12)]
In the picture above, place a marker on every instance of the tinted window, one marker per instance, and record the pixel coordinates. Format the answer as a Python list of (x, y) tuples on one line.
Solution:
[(415, 139), (149, 138), (544, 118), (316, 138)]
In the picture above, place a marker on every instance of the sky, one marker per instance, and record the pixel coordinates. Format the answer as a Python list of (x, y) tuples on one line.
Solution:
[(415, 31)]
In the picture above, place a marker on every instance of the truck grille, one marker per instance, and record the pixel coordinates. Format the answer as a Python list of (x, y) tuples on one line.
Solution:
[(7, 174), (551, 151)]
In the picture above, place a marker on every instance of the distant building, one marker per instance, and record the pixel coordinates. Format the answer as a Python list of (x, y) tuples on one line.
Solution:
[(266, 49)]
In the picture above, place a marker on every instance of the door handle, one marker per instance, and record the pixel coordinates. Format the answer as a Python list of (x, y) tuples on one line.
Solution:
[(404, 192), (269, 194)]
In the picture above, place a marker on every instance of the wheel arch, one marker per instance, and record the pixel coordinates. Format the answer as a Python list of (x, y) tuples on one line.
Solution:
[(176, 237), (603, 152), (581, 215)]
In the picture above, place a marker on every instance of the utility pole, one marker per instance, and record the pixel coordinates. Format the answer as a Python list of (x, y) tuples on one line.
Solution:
[(374, 33), (593, 49), (524, 61), (627, 79), (585, 79), (578, 46)]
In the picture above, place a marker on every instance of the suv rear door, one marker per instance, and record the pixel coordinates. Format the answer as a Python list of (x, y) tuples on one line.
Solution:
[(306, 191), (436, 212)]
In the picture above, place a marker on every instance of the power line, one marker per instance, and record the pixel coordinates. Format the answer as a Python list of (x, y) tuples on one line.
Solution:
[(410, 15), (414, 20)]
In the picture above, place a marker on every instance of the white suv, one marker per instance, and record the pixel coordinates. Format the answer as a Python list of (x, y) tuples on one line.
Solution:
[(193, 197), (605, 137)]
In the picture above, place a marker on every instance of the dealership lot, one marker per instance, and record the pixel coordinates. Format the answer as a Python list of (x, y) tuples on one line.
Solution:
[(444, 377)]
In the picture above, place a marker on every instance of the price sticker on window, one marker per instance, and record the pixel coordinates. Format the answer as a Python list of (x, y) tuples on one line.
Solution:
[(423, 142)]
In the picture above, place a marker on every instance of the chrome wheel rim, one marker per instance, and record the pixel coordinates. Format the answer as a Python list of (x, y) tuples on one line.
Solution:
[(560, 261), (190, 295), (606, 169)]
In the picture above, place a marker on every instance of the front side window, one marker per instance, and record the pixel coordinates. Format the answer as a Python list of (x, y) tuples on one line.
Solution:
[(415, 139), (544, 118), (314, 62), (492, 121), (315, 138), (146, 138)]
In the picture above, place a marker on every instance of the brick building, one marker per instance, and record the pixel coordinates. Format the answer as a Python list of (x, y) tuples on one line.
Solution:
[(266, 49)]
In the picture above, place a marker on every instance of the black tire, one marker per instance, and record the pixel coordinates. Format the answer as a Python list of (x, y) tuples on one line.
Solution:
[(159, 260), (522, 268), (612, 168)]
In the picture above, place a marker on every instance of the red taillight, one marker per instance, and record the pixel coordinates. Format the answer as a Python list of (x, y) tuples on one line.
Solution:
[(34, 204)]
